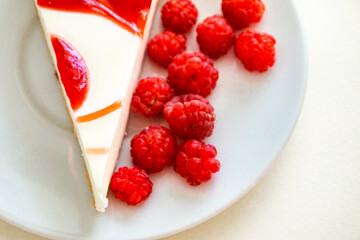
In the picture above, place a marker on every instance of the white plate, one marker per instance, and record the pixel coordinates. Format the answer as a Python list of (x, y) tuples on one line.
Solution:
[(42, 179)]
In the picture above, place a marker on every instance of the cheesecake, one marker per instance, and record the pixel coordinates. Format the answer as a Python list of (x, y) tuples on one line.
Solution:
[(97, 47)]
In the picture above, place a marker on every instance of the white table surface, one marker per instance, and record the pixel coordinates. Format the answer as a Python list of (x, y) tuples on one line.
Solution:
[(313, 189)]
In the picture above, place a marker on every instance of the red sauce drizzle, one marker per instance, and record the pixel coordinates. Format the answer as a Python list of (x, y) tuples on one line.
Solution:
[(100, 113), (73, 71), (96, 151), (130, 14)]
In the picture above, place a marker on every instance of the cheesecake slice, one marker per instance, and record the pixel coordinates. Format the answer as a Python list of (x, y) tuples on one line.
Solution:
[(97, 47)]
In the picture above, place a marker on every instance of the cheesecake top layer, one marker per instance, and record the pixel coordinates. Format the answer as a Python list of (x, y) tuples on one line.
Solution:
[(97, 47), (130, 14)]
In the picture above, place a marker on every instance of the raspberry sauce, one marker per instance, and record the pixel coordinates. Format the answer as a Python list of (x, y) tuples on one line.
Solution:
[(73, 71), (100, 113), (130, 14), (97, 151)]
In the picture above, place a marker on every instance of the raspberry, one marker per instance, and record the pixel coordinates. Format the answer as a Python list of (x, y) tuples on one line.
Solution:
[(196, 161), (179, 15), (192, 72), (256, 50), (240, 13), (163, 47), (150, 96), (153, 149), (215, 36), (190, 116), (131, 185)]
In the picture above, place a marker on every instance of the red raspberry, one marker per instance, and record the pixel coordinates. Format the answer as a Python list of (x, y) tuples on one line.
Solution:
[(153, 149), (131, 185), (190, 116), (196, 161), (179, 15), (163, 47), (192, 72), (240, 13), (215, 36), (150, 96), (256, 50)]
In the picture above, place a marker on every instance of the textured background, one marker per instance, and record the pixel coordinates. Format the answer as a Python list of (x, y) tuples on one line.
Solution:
[(313, 190)]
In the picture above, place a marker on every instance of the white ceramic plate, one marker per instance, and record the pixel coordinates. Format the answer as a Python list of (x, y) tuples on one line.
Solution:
[(42, 180)]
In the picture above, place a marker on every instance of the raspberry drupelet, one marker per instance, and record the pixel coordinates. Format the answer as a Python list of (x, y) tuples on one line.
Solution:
[(196, 161), (192, 72), (150, 96), (215, 36), (190, 116), (131, 185), (256, 50), (153, 149), (164, 46), (179, 15), (240, 13)]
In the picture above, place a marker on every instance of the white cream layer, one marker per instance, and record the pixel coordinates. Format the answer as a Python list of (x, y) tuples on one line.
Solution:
[(113, 57)]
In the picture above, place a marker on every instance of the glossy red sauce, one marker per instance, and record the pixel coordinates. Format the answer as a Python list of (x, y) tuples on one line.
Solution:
[(130, 14), (73, 71)]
